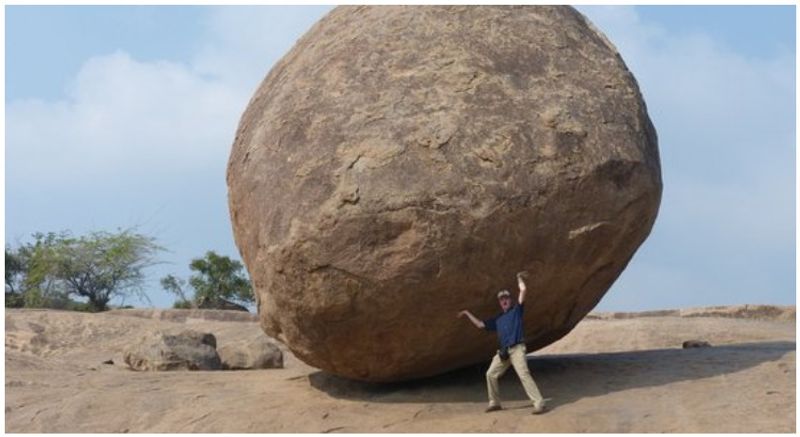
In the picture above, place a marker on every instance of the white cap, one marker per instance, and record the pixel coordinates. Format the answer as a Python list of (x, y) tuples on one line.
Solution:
[(502, 293)]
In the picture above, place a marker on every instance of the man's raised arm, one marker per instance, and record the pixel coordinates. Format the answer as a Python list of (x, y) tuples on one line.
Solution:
[(522, 288), (475, 321)]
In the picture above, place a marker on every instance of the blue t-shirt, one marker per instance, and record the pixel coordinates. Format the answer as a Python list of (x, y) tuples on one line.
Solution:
[(508, 326)]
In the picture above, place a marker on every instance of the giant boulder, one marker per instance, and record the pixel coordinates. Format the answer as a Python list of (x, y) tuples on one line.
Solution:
[(402, 163)]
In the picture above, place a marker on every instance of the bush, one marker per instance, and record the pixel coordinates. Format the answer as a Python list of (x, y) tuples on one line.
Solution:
[(182, 304), (14, 300), (218, 282)]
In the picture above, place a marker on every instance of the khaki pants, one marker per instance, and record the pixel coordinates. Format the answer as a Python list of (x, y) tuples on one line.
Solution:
[(499, 367)]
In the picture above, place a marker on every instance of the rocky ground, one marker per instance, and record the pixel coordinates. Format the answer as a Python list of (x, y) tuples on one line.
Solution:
[(617, 372)]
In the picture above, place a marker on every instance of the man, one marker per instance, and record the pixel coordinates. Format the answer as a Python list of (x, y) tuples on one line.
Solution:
[(508, 325)]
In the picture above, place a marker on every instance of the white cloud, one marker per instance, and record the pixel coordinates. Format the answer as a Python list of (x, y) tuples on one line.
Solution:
[(126, 117), (246, 41), (146, 143), (122, 117), (725, 123), (726, 136)]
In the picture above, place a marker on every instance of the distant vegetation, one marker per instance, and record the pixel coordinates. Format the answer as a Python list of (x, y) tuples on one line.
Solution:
[(218, 282), (61, 271), (54, 268)]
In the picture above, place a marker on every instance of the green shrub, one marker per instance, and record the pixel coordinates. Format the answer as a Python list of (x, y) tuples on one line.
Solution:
[(182, 304)]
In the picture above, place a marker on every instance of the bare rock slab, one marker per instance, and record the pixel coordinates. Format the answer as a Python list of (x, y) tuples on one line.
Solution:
[(402, 163), (185, 350)]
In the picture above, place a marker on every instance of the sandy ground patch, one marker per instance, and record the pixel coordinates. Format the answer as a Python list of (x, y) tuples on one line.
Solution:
[(625, 374)]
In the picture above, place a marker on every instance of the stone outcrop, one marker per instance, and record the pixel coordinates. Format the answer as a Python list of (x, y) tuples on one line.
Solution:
[(185, 350), (253, 353), (186, 315), (402, 163), (690, 344)]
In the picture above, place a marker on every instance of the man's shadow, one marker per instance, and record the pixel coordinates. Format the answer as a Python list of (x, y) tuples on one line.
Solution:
[(567, 378)]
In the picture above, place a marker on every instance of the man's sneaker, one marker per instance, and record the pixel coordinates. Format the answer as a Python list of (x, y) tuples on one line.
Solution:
[(541, 408), (493, 408)]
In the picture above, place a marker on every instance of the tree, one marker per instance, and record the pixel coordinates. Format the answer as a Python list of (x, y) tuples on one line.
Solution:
[(175, 286), (98, 266), (218, 282), (22, 289), (219, 277), (16, 267)]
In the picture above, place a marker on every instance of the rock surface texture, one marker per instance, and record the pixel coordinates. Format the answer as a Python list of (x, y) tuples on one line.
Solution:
[(185, 350), (402, 163), (252, 353)]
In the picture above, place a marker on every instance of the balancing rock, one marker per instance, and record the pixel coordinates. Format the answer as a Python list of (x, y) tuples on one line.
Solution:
[(400, 164)]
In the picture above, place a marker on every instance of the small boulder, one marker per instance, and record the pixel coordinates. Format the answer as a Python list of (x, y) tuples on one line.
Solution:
[(186, 350), (688, 344), (256, 353)]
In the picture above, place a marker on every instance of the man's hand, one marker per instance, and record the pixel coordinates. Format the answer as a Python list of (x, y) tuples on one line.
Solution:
[(522, 287), (475, 321)]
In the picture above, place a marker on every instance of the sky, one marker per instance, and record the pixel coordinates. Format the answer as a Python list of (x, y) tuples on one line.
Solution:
[(123, 116)]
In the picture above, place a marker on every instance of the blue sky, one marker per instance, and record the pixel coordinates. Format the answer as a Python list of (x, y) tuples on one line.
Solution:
[(123, 116)]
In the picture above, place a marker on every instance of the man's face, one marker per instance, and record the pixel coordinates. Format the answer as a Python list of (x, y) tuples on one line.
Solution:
[(505, 302)]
